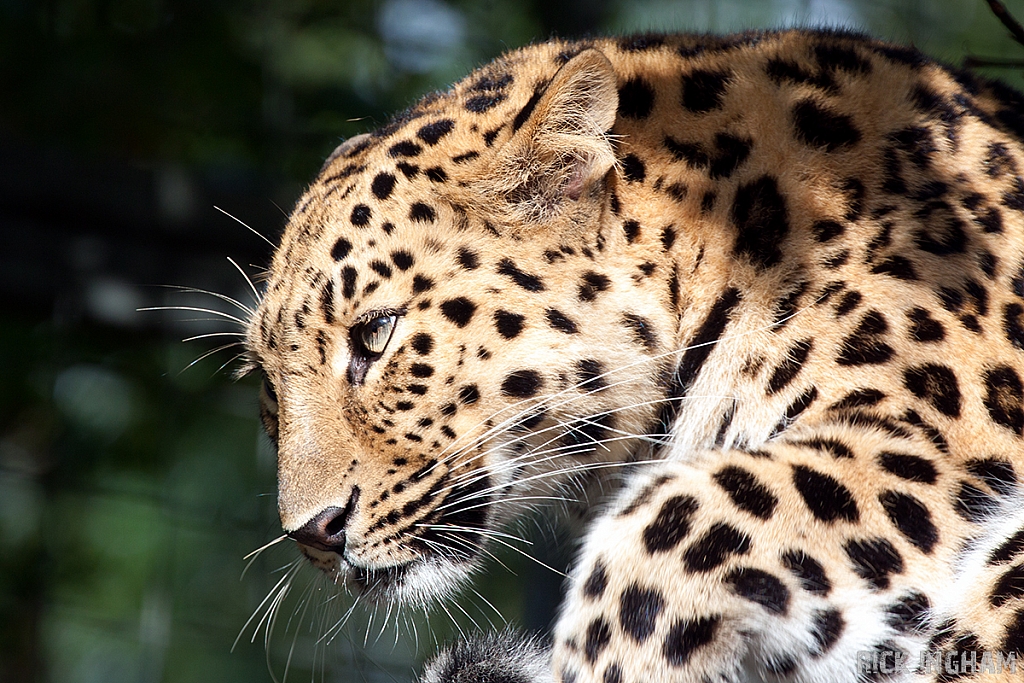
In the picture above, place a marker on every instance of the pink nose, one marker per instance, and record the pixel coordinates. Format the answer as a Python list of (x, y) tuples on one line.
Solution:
[(326, 531)]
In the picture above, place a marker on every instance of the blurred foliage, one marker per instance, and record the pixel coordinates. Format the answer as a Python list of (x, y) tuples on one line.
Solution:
[(131, 487)]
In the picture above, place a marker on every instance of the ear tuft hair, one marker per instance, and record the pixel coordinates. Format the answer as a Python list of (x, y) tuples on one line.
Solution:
[(562, 148)]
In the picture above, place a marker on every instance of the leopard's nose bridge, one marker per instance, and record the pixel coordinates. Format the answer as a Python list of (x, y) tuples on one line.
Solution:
[(326, 530)]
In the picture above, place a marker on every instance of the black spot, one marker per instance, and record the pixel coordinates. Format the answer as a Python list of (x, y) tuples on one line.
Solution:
[(827, 499), (403, 260), (348, 282), (509, 324), (469, 394), (687, 636), (909, 615), (950, 237), (793, 411), (530, 283), (693, 153), (730, 152), (408, 170), (522, 383), (1012, 324), (592, 284), (787, 306), (703, 341), (613, 674), (642, 42), (465, 156), (973, 504), (636, 99), (478, 104), (638, 611), (560, 321), (859, 398), (633, 169), (591, 374), (833, 447), (822, 128), (923, 327), (631, 229), (458, 310), (382, 185), (1010, 585), (760, 587), (909, 467), (422, 213), (595, 584), (437, 174), (327, 303), (668, 237), (432, 132), (782, 71), (759, 214), (671, 525), (524, 114), (360, 215), (874, 560), (1013, 641), (1004, 398), (864, 346), (421, 284), (911, 518), (937, 384), (790, 367), (714, 547), (808, 570), (855, 191), (341, 249), (468, 259), (406, 148), (826, 628), (1008, 549), (746, 491), (381, 268), (421, 370), (841, 57), (849, 301), (988, 262), (998, 474), (703, 90), (825, 231), (643, 331), (598, 635), (896, 266)]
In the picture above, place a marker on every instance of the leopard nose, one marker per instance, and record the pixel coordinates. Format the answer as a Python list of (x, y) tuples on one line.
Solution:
[(326, 531)]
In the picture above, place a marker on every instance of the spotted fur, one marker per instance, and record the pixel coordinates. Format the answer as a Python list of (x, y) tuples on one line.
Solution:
[(785, 269)]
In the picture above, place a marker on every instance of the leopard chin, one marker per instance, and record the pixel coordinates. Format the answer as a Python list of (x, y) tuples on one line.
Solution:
[(418, 583)]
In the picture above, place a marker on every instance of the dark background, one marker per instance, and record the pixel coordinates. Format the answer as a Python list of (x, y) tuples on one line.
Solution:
[(132, 481)]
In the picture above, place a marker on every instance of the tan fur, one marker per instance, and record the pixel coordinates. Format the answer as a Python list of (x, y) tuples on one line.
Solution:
[(713, 251)]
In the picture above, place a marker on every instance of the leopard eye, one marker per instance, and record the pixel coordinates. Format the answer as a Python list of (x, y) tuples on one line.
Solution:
[(270, 394), (375, 334)]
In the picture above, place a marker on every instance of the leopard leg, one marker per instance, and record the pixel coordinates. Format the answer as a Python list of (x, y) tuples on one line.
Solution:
[(819, 558)]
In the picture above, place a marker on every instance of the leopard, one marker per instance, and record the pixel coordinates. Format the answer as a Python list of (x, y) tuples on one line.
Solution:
[(765, 291)]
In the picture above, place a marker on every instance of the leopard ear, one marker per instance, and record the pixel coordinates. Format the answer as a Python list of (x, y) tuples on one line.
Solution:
[(560, 148), (345, 148)]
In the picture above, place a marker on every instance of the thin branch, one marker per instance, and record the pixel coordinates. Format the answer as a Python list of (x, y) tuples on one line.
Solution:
[(972, 62), (1003, 14)]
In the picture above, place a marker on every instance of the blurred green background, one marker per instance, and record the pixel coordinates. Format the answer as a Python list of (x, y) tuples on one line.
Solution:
[(134, 481)]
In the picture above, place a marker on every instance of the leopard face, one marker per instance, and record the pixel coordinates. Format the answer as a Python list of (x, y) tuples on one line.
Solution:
[(437, 359)]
